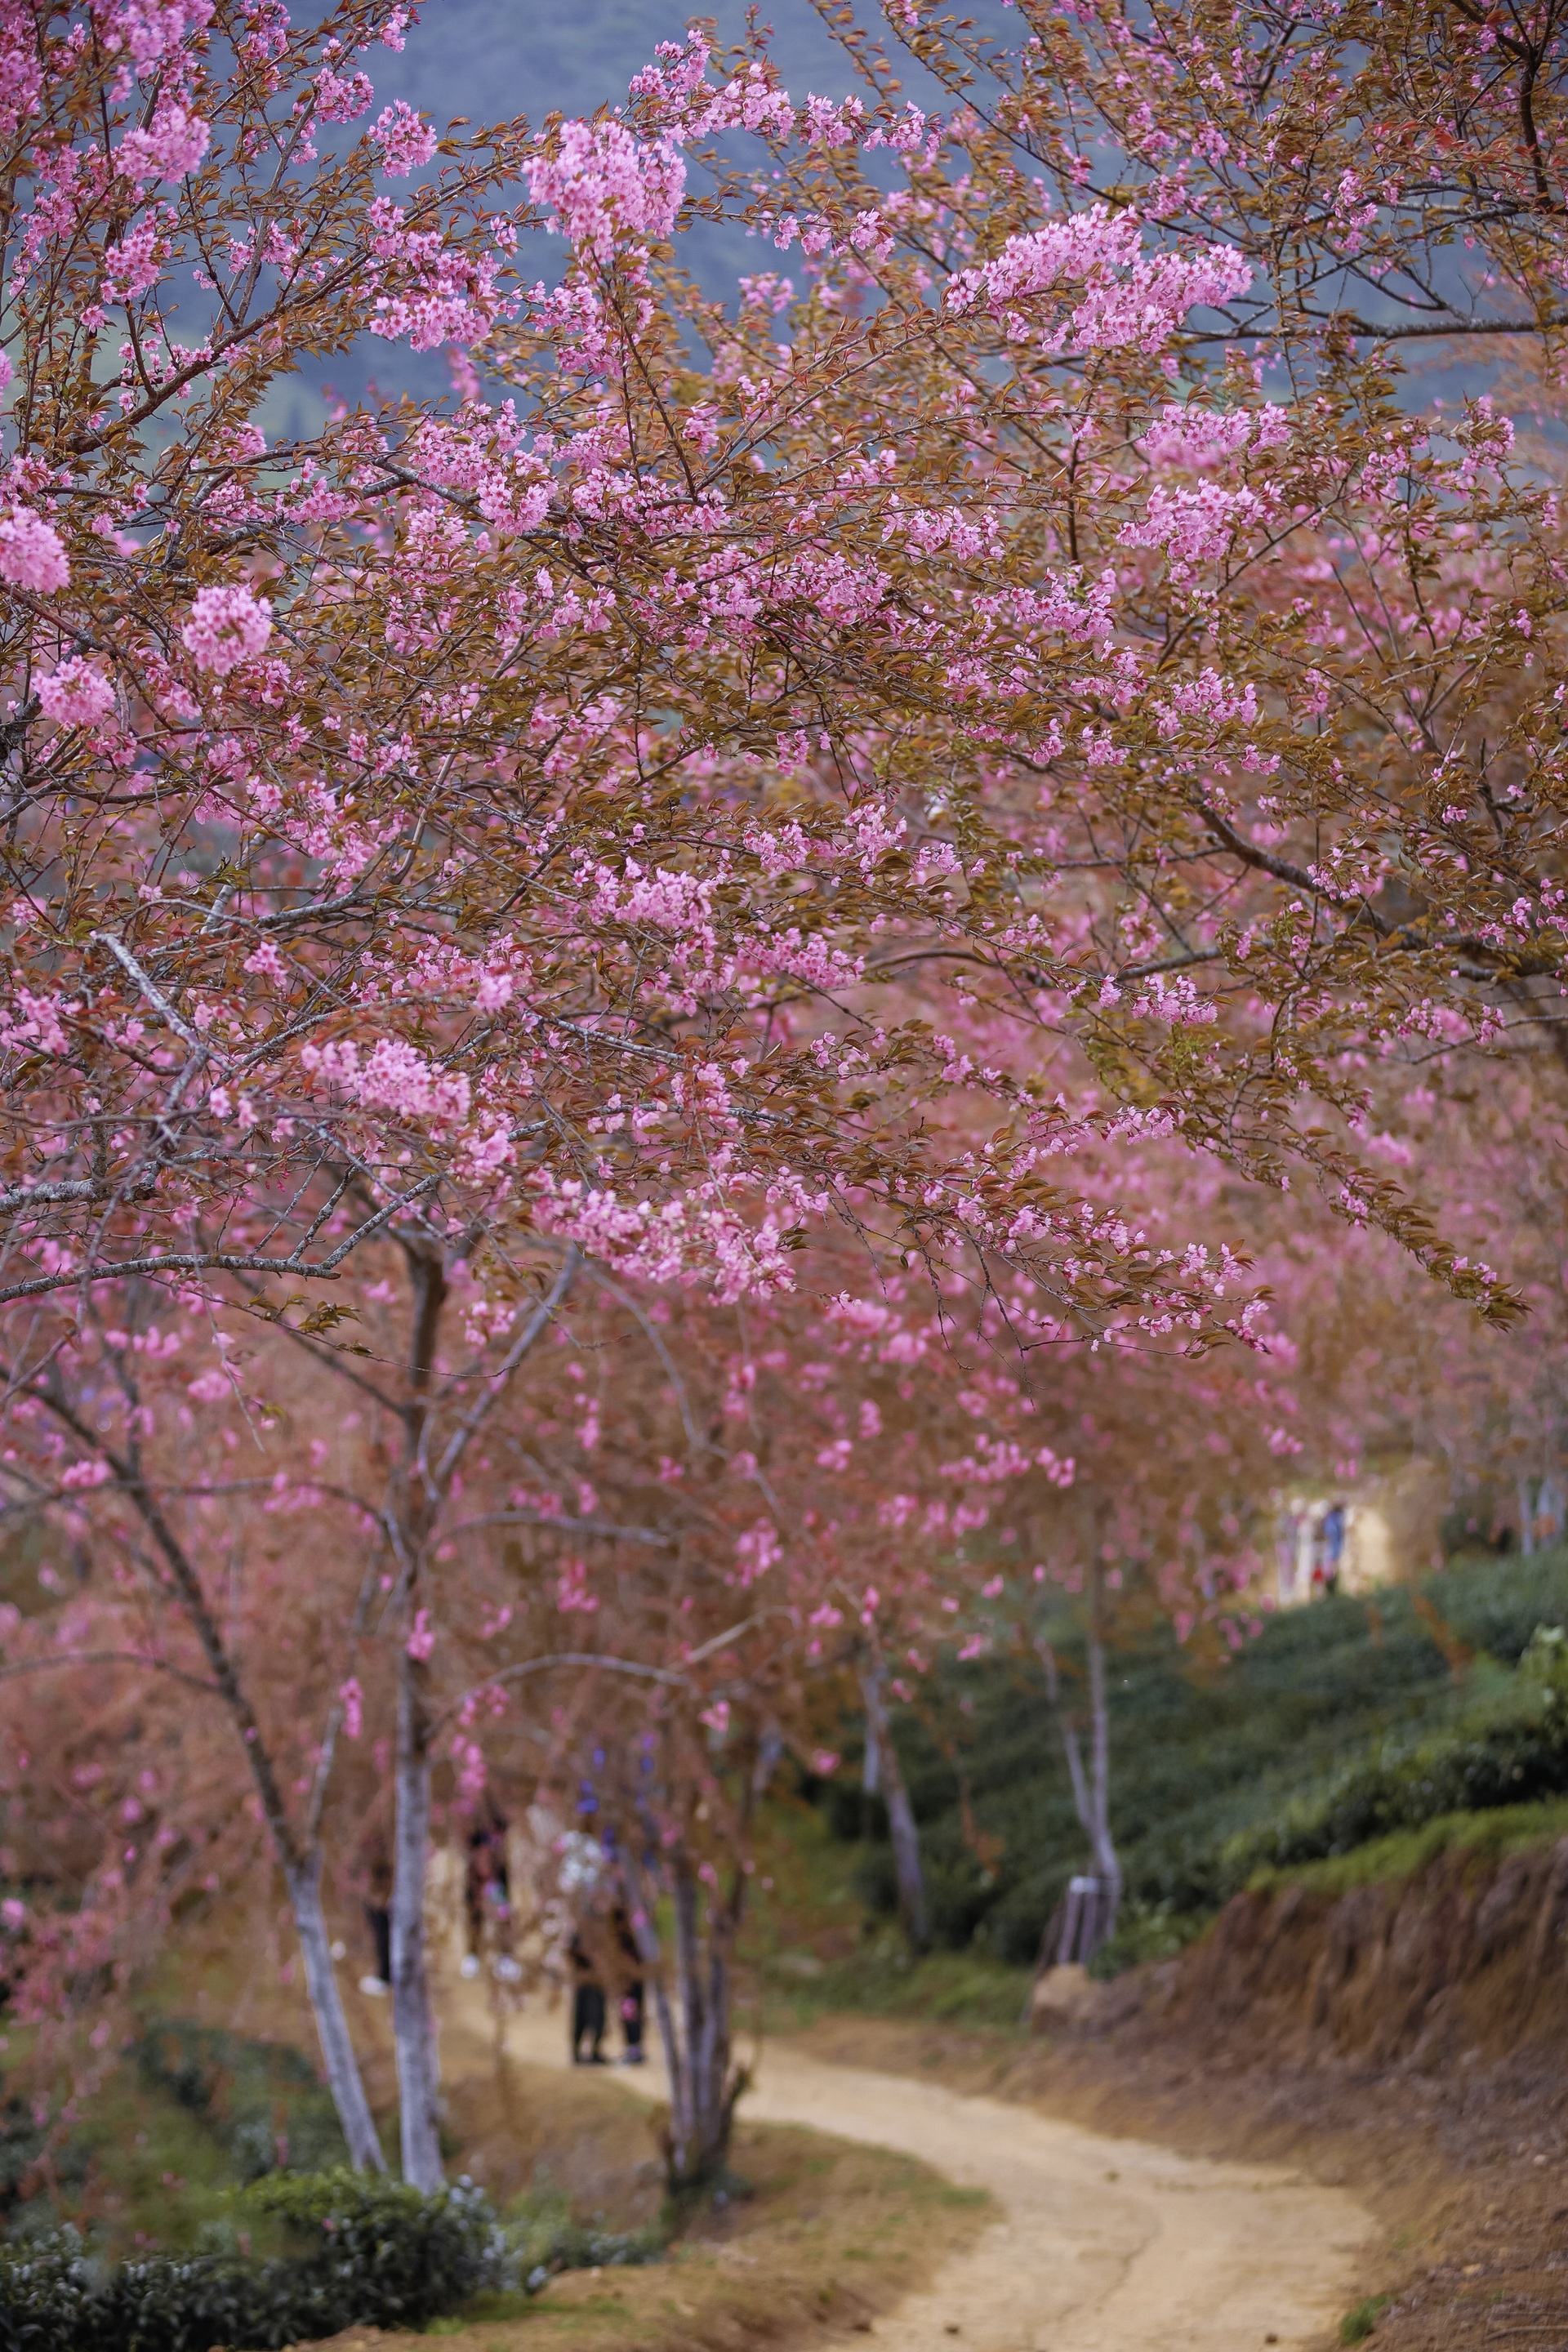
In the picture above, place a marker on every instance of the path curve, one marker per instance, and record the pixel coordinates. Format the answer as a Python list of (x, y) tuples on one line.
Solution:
[(1100, 2245)]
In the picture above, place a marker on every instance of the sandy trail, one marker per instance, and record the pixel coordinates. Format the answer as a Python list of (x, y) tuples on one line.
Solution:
[(1100, 2245)]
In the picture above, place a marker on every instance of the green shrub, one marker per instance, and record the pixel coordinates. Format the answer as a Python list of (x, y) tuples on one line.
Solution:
[(1358, 2325), (357, 2250), (1496, 1605), (1147, 1931)]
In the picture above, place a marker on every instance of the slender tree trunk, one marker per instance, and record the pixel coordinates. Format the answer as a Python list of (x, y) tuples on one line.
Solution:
[(901, 1827), (412, 2022), (415, 1507), (1092, 1902), (871, 1765), (1107, 1860), (300, 1858), (419, 1488), (700, 2127), (695, 2027), (1526, 1516), (338, 2060)]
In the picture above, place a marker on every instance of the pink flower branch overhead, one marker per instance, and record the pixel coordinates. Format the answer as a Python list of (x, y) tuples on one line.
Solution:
[(900, 760)]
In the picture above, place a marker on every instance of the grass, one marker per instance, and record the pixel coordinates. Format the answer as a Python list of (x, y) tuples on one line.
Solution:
[(817, 1948), (831, 2236), (1358, 2324), (143, 2170), (884, 1980)]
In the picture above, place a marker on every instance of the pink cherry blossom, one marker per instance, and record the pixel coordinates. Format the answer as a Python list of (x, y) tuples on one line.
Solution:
[(342, 99), (87, 1475), (394, 1077), (228, 627), (603, 182), (31, 555), (405, 139), (1128, 299), (76, 695), (572, 1593), (132, 265), (173, 145)]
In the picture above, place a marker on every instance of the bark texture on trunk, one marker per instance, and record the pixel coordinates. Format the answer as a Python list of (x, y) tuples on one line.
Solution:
[(338, 2059), (298, 1851), (902, 1830), (695, 2024), (1087, 1918), (412, 2022), (1526, 1516)]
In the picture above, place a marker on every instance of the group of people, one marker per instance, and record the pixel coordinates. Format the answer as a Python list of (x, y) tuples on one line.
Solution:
[(1312, 1544), (603, 1953)]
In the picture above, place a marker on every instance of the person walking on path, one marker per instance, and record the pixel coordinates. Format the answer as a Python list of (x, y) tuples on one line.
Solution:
[(630, 2001), (1333, 1542), (587, 2006)]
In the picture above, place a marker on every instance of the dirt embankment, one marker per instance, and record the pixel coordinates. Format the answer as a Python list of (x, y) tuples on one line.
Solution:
[(1464, 1963)]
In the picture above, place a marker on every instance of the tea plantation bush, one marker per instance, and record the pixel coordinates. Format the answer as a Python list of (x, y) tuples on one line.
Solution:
[(356, 2251), (1329, 1726)]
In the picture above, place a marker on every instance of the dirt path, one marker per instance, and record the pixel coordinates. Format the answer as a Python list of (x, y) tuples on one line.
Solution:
[(1100, 2245)]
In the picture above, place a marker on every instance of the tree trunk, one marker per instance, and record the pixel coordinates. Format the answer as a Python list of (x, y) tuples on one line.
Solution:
[(1526, 1516), (1107, 1860), (1087, 1918), (338, 2058), (413, 2024), (418, 1493), (300, 1857), (694, 2028), (901, 1828), (871, 1764)]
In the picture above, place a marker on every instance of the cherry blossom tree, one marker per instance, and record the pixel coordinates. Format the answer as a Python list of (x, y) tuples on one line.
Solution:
[(903, 762), (625, 921), (184, 1589)]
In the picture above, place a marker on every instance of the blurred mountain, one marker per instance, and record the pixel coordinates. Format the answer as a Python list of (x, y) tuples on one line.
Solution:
[(491, 59)]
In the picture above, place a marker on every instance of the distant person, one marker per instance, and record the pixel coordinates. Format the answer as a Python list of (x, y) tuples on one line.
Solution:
[(632, 1996), (587, 2007), (378, 1919), (486, 1890), (1333, 1542)]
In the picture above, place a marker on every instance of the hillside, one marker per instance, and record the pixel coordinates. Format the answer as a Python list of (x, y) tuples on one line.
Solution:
[(1202, 1753)]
